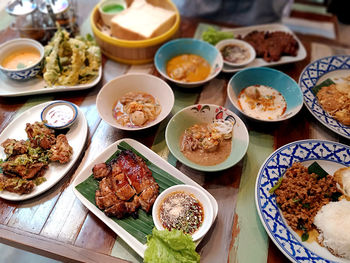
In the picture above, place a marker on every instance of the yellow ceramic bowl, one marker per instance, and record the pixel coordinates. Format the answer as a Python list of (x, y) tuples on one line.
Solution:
[(133, 51)]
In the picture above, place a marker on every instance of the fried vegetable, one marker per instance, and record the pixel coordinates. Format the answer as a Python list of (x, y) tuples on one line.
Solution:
[(71, 61), (213, 36)]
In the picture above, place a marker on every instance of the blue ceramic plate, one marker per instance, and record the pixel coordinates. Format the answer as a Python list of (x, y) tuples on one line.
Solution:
[(271, 78), (331, 156), (315, 73), (188, 46)]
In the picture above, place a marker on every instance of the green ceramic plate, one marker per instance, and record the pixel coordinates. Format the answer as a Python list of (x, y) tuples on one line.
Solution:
[(206, 113)]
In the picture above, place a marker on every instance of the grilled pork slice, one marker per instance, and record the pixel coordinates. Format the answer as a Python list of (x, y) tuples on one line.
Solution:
[(101, 170), (148, 197)]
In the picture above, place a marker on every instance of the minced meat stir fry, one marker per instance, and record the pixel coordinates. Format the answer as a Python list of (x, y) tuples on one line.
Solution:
[(301, 194)]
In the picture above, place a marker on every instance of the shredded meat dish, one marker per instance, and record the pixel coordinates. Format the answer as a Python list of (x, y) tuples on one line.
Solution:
[(301, 195), (27, 160), (126, 183), (272, 45)]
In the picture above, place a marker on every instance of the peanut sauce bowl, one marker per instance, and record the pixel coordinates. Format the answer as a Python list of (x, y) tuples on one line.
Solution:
[(202, 200), (271, 78)]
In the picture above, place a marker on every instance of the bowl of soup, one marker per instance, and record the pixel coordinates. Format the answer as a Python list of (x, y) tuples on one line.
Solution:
[(21, 58), (265, 94), (207, 137), (188, 62), (135, 101)]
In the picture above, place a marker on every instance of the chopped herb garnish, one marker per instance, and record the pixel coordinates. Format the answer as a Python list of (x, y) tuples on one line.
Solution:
[(317, 169), (275, 187), (304, 236)]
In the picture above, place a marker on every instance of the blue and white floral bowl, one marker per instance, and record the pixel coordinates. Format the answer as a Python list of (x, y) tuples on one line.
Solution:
[(188, 46), (17, 44)]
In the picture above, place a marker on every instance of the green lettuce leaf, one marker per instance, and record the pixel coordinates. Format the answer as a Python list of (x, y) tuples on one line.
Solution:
[(170, 246)]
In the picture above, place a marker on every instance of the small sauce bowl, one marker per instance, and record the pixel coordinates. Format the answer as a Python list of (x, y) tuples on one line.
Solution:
[(243, 52), (195, 192), (59, 114), (109, 8)]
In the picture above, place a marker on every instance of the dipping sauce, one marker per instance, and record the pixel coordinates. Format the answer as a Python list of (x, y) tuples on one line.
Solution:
[(182, 211), (235, 53), (207, 144), (136, 109), (262, 102), (21, 59), (112, 8), (59, 115), (188, 68)]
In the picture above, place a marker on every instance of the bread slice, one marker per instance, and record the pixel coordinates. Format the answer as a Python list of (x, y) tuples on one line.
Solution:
[(142, 21)]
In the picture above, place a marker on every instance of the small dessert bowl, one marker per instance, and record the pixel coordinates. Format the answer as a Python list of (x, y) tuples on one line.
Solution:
[(187, 194), (59, 114), (17, 45)]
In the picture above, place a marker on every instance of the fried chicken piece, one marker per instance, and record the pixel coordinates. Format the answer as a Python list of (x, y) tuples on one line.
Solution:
[(22, 166), (101, 170), (40, 135), (16, 185), (61, 151), (14, 147)]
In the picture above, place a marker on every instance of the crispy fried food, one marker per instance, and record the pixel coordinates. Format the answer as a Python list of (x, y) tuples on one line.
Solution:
[(16, 185), (272, 45), (21, 165), (127, 183), (14, 147), (40, 136), (61, 151), (335, 102), (28, 160)]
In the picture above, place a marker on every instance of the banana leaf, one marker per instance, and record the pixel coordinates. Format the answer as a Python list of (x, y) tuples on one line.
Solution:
[(141, 226)]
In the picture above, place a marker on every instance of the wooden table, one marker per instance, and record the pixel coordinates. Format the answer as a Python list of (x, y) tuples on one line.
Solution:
[(57, 225)]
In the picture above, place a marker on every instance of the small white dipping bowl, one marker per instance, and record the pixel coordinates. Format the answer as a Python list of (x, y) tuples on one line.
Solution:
[(59, 114), (199, 195), (237, 42), (20, 44), (138, 82)]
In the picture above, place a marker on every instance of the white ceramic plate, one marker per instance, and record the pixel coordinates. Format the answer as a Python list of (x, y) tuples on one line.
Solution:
[(314, 74), (152, 157), (76, 137), (259, 62), (330, 156), (12, 88)]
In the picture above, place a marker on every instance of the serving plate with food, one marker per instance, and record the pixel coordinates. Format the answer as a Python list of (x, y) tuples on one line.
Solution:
[(64, 64), (207, 137), (302, 198), (325, 85), (275, 44), (127, 211), (35, 157)]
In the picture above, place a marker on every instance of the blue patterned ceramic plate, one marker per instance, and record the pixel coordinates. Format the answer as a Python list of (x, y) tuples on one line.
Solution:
[(317, 72), (331, 156)]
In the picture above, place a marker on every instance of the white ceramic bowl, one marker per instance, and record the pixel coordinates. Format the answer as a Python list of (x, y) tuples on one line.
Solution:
[(64, 112), (116, 88), (245, 45), (19, 44), (199, 195), (188, 46)]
